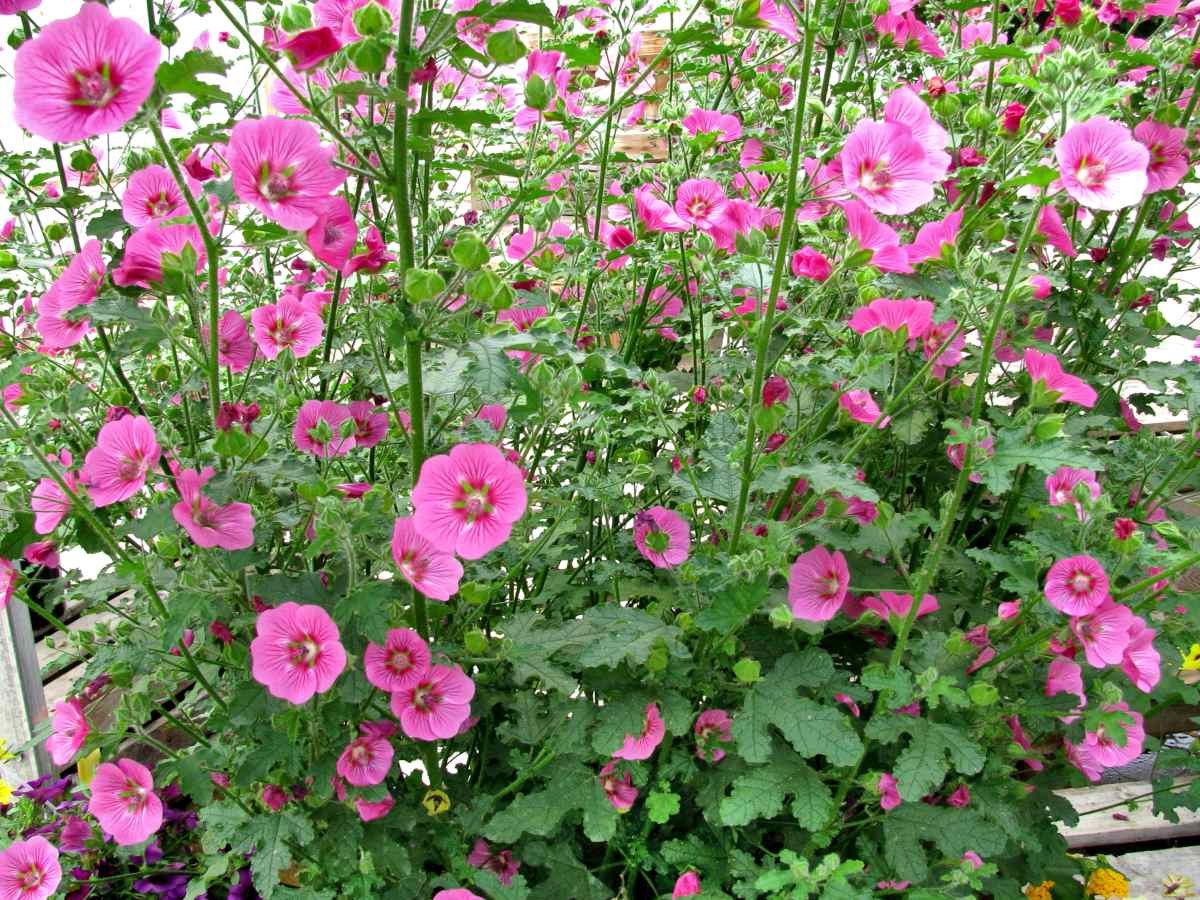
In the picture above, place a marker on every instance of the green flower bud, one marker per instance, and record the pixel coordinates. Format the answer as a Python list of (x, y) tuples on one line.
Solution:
[(369, 56), (370, 20), (658, 659), (168, 34), (475, 641), (978, 116), (56, 231), (469, 251), (983, 694), (781, 617), (747, 670), (161, 372), (485, 287), (423, 284), (1049, 426), (947, 106)]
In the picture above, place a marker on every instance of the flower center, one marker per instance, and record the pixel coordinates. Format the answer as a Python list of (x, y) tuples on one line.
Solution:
[(134, 795), (95, 88), (304, 652), (875, 178), (1091, 172), (275, 186), (699, 208), (831, 585), (32, 877), (160, 207), (332, 234), (130, 468), (1081, 583), (413, 568), (475, 502), (398, 661), (426, 697), (360, 755)]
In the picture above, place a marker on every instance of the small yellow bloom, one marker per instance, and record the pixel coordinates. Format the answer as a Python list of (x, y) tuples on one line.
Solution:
[(1192, 660), (1107, 883), (436, 802), (4, 754), (1178, 886), (6, 793), (86, 767), (1040, 891)]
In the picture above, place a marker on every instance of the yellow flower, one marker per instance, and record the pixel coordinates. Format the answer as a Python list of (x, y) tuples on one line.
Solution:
[(436, 802), (1107, 883), (1192, 660), (1040, 891), (86, 767), (6, 793), (4, 754)]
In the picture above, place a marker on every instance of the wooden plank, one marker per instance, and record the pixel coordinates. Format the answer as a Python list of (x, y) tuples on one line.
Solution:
[(22, 700), (1121, 825)]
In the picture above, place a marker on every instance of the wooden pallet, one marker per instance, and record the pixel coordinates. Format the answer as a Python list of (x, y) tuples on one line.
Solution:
[(1102, 826)]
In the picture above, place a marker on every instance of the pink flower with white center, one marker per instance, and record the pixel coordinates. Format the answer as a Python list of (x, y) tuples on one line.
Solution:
[(906, 109), (8, 581), (70, 731), (1100, 750), (84, 76), (297, 652), (371, 426), (933, 238), (687, 885), (124, 803), (713, 727), (870, 234), (726, 126), (281, 169), (1168, 160), (817, 584), (434, 573), (499, 862), (894, 608), (1076, 585), (436, 706), (1141, 662), (367, 759), (1046, 372), (286, 325), (1061, 488), (619, 789), (1050, 226), (701, 203), (230, 527), (885, 168), (319, 429), (153, 195), (467, 501), (50, 503), (1065, 676), (333, 234), (915, 316), (654, 213), (29, 870), (146, 247), (77, 286), (115, 469), (861, 407), (662, 536), (400, 663), (1101, 165), (889, 797), (642, 746), (235, 349), (1104, 633)]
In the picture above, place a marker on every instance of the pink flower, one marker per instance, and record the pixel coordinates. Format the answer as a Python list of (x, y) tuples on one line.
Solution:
[(620, 790), (494, 414), (933, 237), (369, 811), (1100, 751), (144, 251), (1065, 676), (1101, 165), (50, 504), (153, 195), (870, 234), (817, 584), (115, 469), (275, 797), (892, 315), (1041, 286), (77, 286), (70, 731), (124, 803), (1061, 488), (310, 48), (906, 109), (1021, 740), (1050, 226), (456, 894), (643, 746), (297, 652), (8, 581), (499, 863), (371, 426), (889, 797), (1076, 585), (286, 325), (895, 607), (713, 727), (701, 202), (436, 706), (1010, 119), (1104, 633), (319, 429), (1168, 160), (726, 126), (235, 349), (83, 76), (662, 536), (282, 170), (29, 870), (970, 856), (230, 527), (808, 263), (400, 663), (885, 168), (1009, 609), (367, 759), (861, 407), (333, 234), (467, 501), (775, 390), (432, 572), (1046, 372), (687, 885), (654, 213), (375, 257), (1141, 662), (41, 553)]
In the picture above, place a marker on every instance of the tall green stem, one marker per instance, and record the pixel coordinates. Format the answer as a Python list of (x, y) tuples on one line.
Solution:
[(785, 237)]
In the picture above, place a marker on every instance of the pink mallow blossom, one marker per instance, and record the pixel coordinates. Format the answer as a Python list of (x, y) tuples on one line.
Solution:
[(817, 584), (1141, 661), (436, 707), (618, 788), (861, 407), (1076, 585), (124, 803), (1046, 373), (297, 652), (643, 745), (1100, 750), (288, 324), (885, 168), (1062, 488), (1104, 633), (662, 536), (208, 524), (29, 870), (235, 349), (467, 501), (319, 429), (367, 759), (915, 316), (400, 663), (1168, 159), (333, 234), (70, 731), (116, 468), (889, 796), (77, 286), (686, 885), (713, 727), (152, 195), (1102, 165), (434, 573), (499, 862)]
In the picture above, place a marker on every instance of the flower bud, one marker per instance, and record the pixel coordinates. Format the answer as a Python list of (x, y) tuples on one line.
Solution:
[(370, 20), (297, 17), (537, 93), (423, 284), (469, 251)]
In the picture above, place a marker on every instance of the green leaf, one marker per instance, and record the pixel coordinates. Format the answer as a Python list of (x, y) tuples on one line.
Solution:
[(761, 792), (953, 831), (934, 747), (271, 837), (1014, 449), (179, 77), (661, 806), (825, 477), (106, 224), (732, 607), (540, 813), (512, 10)]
